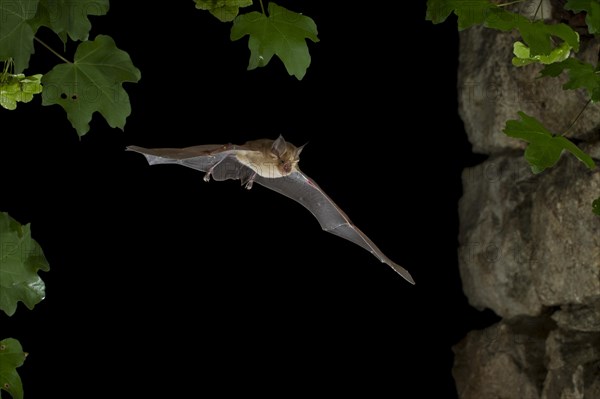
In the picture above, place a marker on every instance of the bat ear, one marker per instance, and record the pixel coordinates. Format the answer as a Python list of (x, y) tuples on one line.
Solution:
[(279, 146), (299, 149)]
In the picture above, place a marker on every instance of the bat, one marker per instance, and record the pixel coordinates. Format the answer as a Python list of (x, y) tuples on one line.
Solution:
[(273, 164)]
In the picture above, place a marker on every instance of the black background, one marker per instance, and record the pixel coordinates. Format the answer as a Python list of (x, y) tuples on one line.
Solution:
[(162, 284)]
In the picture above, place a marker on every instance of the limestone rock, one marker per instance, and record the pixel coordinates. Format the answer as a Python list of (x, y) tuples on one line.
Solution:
[(529, 245), (573, 366), (529, 241), (501, 361), (565, 261), (528, 358), (495, 237), (491, 91), (585, 318)]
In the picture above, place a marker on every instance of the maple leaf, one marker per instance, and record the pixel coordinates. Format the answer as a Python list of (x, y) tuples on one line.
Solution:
[(224, 10), (282, 33), (16, 35), (544, 148), (93, 82), (68, 16), (581, 75), (592, 9), (11, 357), (469, 12), (539, 36), (20, 260)]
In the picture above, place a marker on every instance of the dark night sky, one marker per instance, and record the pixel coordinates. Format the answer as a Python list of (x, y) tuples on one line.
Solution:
[(197, 287)]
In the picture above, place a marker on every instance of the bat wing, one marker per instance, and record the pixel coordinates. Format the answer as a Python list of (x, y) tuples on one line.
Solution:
[(218, 160), (221, 163), (332, 219)]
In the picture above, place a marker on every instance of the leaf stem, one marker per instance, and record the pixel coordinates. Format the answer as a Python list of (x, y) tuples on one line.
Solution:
[(262, 7), (52, 50), (510, 3), (577, 117), (536, 11), (8, 64)]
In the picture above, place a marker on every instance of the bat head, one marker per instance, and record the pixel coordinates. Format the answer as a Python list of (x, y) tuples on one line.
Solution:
[(287, 154)]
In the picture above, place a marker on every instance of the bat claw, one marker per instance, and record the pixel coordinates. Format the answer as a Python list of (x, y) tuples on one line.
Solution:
[(248, 183)]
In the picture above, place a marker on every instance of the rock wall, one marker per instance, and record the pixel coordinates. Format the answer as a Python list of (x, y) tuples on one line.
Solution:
[(529, 244)]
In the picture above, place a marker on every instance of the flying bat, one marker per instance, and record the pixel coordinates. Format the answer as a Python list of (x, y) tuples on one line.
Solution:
[(273, 164)]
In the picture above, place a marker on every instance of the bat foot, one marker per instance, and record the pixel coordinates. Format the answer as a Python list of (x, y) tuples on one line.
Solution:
[(207, 176), (248, 184)]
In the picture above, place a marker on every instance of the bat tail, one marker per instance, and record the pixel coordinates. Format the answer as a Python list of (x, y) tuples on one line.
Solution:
[(401, 271)]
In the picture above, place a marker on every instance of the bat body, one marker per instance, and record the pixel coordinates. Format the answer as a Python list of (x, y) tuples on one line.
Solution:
[(273, 164)]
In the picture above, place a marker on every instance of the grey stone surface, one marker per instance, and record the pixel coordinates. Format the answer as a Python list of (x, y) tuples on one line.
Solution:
[(529, 244), (495, 236), (528, 358), (573, 366), (565, 262), (585, 318), (491, 91), (501, 362), (529, 241)]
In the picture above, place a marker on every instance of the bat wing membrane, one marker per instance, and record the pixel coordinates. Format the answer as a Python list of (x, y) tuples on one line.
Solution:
[(220, 160), (332, 219)]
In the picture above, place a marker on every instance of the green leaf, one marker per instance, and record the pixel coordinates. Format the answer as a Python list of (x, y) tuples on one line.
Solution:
[(544, 149), (93, 82), (18, 88), (224, 10), (20, 260), (596, 206), (11, 357), (540, 37), (591, 7), (469, 12), (581, 75), (523, 55), (16, 36), (68, 16), (282, 33)]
